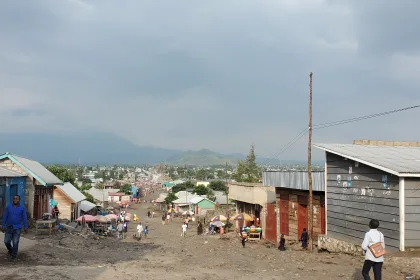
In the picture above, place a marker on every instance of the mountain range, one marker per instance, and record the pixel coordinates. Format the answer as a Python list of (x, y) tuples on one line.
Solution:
[(106, 148)]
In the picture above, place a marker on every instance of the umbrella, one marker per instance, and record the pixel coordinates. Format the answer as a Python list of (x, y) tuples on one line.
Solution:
[(53, 203), (112, 216), (220, 218), (242, 217), (127, 217), (103, 219), (88, 218), (217, 224), (110, 208), (188, 213)]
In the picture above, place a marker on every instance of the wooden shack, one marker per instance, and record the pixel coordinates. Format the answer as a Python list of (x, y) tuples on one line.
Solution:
[(68, 198)]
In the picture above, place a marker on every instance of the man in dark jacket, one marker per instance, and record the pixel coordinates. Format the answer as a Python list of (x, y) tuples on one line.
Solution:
[(13, 218)]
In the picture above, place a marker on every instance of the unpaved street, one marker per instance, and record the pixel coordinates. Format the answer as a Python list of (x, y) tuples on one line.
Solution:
[(166, 255)]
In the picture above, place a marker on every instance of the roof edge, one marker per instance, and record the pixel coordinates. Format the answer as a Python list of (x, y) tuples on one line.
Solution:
[(359, 160), (12, 158)]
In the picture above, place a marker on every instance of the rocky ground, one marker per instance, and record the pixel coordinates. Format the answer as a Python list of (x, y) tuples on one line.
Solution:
[(166, 255)]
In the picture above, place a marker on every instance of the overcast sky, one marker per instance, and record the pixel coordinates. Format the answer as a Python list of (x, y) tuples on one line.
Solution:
[(211, 74)]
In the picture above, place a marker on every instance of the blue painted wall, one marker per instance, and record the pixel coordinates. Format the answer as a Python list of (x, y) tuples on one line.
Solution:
[(10, 187)]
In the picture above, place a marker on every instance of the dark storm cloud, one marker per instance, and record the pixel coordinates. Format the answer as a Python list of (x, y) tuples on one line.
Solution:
[(214, 67)]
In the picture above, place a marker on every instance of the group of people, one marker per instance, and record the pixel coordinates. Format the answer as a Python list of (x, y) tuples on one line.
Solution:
[(15, 220)]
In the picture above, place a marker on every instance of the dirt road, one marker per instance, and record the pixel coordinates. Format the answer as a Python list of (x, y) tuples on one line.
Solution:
[(167, 255)]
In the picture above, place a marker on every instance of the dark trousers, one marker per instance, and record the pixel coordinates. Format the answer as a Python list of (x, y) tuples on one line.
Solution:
[(11, 240), (243, 242), (377, 270)]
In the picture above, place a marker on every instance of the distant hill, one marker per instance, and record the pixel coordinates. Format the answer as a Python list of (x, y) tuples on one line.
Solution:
[(107, 148)]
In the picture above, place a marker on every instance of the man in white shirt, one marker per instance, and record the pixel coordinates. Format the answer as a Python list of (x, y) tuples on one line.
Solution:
[(139, 230), (371, 237), (184, 229)]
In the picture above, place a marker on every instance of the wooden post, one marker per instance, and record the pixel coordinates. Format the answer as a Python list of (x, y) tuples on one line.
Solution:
[(227, 198), (310, 210)]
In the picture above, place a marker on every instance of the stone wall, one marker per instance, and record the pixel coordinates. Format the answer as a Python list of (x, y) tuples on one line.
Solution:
[(30, 188), (338, 246)]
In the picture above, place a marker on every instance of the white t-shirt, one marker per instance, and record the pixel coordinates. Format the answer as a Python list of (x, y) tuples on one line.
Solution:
[(139, 228), (371, 237), (184, 227), (168, 217)]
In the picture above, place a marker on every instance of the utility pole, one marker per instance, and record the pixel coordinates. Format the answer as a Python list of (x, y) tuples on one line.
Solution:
[(227, 198), (310, 210)]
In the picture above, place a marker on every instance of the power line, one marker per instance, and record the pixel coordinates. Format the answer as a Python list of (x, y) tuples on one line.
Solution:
[(329, 124), (335, 123), (287, 146)]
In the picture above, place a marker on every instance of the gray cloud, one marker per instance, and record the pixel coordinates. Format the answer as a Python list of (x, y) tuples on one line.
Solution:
[(211, 74)]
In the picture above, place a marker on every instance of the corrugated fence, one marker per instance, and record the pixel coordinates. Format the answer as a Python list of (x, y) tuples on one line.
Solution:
[(294, 180)]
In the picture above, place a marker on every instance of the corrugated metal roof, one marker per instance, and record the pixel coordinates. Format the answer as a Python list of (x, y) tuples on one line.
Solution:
[(38, 169), (184, 197), (196, 200), (396, 160), (72, 192), (294, 180), (9, 173), (86, 206), (100, 194)]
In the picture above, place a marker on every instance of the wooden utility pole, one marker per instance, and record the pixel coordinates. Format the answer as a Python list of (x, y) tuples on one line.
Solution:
[(227, 198), (310, 210)]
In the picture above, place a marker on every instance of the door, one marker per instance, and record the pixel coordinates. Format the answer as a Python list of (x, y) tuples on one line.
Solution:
[(322, 217), (271, 223), (284, 216), (37, 216), (2, 199), (13, 191), (302, 218)]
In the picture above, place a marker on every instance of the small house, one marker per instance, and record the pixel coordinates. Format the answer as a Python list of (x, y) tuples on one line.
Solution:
[(200, 205), (292, 200), (372, 180), (39, 185), (69, 199)]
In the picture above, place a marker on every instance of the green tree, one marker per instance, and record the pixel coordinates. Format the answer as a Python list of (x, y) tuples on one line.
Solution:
[(248, 170), (218, 185), (62, 173), (201, 174), (85, 187), (126, 189), (183, 186), (201, 190), (170, 198), (89, 197)]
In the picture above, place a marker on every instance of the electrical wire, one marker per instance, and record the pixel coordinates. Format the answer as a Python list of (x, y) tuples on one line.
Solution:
[(335, 123), (286, 147), (329, 124)]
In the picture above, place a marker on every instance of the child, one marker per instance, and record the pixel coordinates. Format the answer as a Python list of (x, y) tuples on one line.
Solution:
[(146, 231), (304, 238), (244, 237), (282, 243), (184, 229)]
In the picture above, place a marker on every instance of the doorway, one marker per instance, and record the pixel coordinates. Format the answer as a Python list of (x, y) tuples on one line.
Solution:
[(302, 218)]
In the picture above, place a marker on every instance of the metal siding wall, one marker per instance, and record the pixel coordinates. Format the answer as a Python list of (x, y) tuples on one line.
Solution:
[(294, 180), (412, 212), (351, 208)]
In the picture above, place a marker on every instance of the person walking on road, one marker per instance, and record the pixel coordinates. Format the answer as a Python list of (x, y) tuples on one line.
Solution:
[(146, 231), (13, 218), (139, 230), (244, 237), (184, 230), (120, 230), (373, 236)]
